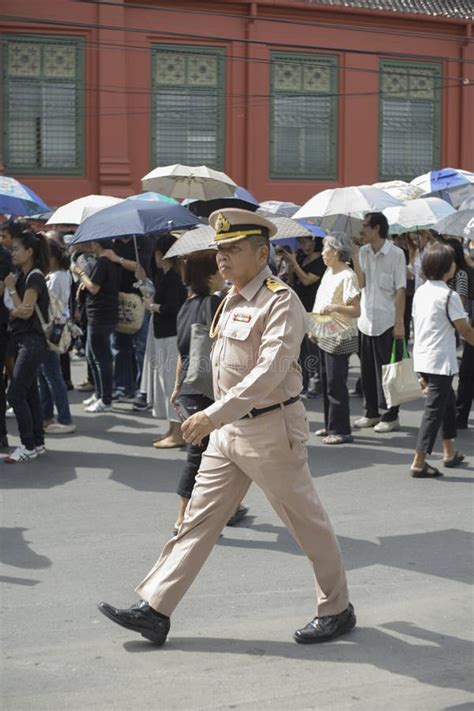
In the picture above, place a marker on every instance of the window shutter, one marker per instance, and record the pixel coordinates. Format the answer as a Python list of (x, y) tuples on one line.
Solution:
[(187, 121), (43, 106), (409, 119), (304, 117)]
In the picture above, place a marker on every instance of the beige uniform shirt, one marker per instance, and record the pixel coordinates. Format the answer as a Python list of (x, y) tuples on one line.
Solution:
[(255, 353)]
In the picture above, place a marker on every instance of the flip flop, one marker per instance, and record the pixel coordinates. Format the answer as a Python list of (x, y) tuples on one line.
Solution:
[(428, 472), (322, 432), (338, 439), (455, 461)]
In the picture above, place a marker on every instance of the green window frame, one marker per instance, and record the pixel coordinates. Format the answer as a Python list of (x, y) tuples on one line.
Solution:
[(43, 107), (409, 119), (303, 116), (187, 113)]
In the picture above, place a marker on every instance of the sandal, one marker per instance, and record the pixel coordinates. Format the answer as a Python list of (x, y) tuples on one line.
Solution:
[(455, 461), (321, 433), (428, 472), (338, 439)]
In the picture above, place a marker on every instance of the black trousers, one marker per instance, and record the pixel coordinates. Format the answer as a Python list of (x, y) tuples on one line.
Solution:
[(3, 397), (466, 384), (23, 392), (375, 351), (194, 452), (309, 360), (334, 370), (440, 411)]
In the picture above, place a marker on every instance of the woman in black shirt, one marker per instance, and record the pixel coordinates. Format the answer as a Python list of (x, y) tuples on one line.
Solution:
[(202, 279), (306, 269), (161, 352), (102, 289), (27, 292)]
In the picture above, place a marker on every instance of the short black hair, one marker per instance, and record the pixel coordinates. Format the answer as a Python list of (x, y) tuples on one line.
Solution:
[(198, 269), (436, 261), (14, 227), (459, 257), (378, 219)]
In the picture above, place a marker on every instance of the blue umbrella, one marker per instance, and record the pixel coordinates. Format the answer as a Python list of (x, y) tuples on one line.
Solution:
[(153, 196), (134, 217), (314, 229), (450, 184), (19, 200)]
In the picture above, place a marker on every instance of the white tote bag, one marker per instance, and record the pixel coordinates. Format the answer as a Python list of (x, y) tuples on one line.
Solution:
[(399, 381)]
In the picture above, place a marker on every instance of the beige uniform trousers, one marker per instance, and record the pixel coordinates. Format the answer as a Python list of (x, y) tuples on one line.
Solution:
[(269, 450)]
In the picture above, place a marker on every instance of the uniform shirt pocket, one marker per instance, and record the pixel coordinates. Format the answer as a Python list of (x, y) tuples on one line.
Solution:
[(237, 350)]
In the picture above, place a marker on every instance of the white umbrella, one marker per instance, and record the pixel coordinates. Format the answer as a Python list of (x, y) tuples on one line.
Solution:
[(343, 209), (458, 224), (400, 189), (419, 214), (187, 181), (277, 207), (202, 237), (467, 204), (75, 212)]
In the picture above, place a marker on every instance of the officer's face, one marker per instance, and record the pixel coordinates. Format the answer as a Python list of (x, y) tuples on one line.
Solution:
[(239, 262)]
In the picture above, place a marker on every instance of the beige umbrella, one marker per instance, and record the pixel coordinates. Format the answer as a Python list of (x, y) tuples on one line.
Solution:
[(186, 181), (202, 237), (76, 211), (400, 189)]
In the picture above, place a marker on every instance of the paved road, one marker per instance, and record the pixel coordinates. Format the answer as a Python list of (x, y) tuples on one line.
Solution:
[(87, 521)]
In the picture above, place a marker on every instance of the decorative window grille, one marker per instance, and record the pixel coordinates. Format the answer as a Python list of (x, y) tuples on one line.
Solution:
[(188, 106), (303, 135), (43, 105), (409, 119)]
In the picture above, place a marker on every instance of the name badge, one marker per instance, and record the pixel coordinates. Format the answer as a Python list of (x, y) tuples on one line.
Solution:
[(243, 317)]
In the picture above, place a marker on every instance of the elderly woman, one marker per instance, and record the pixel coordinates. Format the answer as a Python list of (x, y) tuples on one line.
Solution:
[(334, 324), (438, 313)]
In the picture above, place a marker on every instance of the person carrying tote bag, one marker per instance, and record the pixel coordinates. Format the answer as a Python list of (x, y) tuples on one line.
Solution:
[(437, 314), (399, 381)]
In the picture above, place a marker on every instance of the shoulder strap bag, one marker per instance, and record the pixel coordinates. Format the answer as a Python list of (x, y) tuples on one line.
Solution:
[(199, 373)]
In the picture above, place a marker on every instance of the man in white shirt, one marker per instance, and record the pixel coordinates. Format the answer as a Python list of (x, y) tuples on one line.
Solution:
[(381, 270)]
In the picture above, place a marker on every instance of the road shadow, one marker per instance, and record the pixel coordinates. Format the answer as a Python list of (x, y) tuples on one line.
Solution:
[(445, 554), (142, 469), (435, 659), (10, 580), (15, 550)]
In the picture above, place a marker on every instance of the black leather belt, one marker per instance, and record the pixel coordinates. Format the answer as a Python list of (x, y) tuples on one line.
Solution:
[(256, 412)]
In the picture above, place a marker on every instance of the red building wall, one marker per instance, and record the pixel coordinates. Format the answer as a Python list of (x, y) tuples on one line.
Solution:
[(119, 35)]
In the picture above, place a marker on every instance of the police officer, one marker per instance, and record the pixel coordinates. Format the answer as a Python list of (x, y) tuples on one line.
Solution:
[(258, 431)]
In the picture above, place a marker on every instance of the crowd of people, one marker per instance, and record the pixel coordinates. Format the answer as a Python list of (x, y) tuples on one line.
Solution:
[(361, 296)]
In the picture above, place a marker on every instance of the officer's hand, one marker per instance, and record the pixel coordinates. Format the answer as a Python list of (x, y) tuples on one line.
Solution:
[(196, 428)]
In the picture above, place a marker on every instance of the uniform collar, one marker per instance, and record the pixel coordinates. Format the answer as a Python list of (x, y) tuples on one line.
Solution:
[(250, 289)]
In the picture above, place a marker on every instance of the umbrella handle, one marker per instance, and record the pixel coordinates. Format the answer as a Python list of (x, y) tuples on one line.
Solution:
[(136, 249)]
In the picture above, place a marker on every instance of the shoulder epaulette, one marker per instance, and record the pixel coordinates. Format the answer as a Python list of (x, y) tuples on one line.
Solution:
[(275, 285)]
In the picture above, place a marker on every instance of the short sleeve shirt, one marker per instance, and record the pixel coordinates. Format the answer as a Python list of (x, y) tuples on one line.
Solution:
[(103, 306), (385, 273), (36, 281), (434, 349), (307, 294)]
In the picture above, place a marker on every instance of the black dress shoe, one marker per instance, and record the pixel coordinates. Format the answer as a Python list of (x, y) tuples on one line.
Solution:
[(140, 618), (322, 629), (241, 513)]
